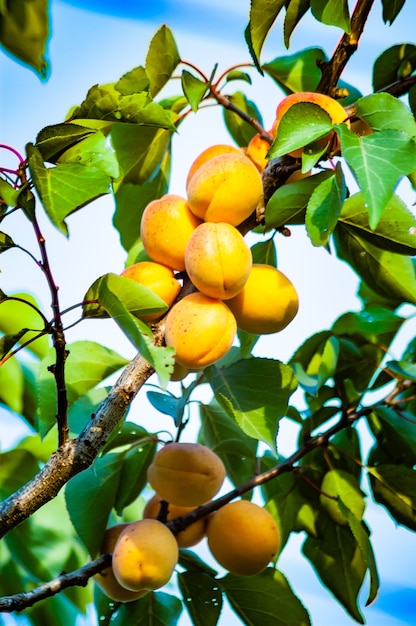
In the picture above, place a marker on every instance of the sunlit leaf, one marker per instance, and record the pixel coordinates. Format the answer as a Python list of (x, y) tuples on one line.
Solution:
[(19, 312), (194, 89), (262, 16), (295, 10), (8, 194), (394, 487), (393, 63), (332, 12), (162, 59), (297, 72), (92, 151), (382, 111), (324, 208), (53, 140), (134, 81)]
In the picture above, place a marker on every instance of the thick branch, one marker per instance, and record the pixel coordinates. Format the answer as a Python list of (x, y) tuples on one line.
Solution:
[(348, 44), (78, 454)]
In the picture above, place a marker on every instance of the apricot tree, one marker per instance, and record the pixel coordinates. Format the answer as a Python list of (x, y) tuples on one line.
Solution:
[(330, 163)]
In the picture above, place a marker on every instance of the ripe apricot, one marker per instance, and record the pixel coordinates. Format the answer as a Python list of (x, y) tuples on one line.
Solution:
[(334, 109), (267, 303), (257, 150), (186, 474), (201, 329), (209, 153), (218, 260), (106, 579), (186, 538), (157, 277), (227, 188), (145, 555), (167, 224), (243, 537)]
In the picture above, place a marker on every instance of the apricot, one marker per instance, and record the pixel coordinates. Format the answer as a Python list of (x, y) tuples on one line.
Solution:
[(257, 150), (201, 329), (145, 555), (186, 474), (334, 109), (106, 579), (157, 277), (267, 303), (179, 372), (227, 188), (243, 537), (166, 226), (218, 260), (209, 153), (186, 538)]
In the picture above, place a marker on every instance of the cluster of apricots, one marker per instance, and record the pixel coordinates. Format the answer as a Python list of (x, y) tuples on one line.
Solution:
[(241, 536), (198, 234)]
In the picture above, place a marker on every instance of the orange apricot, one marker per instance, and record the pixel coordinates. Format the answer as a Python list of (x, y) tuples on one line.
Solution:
[(186, 474), (186, 538), (334, 109), (218, 260), (157, 277), (145, 555), (106, 579), (243, 537), (201, 329), (167, 224), (257, 150), (209, 153), (227, 188), (267, 303)]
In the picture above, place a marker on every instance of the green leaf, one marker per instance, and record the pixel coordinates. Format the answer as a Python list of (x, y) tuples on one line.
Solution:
[(155, 609), (284, 502), (345, 488), (133, 472), (297, 72), (162, 59), (388, 274), (19, 314), (138, 108), (65, 188), (394, 487), (237, 450), (53, 140), (136, 331), (320, 367), (7, 342), (241, 131), (374, 324), (140, 150), (395, 435), (391, 9), (84, 408), (339, 563), (131, 201), (194, 89), (288, 203), (294, 13), (136, 298), (332, 12), (24, 32), (278, 607), (262, 16), (303, 123), (256, 392), (92, 151), (90, 496), (264, 252), (382, 111), (134, 81), (8, 194), (201, 596), (396, 230), (87, 364), (324, 208), (12, 385), (378, 161), (361, 534), (238, 75), (394, 63), (17, 467)]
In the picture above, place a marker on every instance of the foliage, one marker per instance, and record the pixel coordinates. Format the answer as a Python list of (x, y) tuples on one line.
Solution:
[(58, 500)]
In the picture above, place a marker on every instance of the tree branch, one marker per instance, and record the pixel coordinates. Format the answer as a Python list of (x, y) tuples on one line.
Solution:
[(348, 44), (78, 454)]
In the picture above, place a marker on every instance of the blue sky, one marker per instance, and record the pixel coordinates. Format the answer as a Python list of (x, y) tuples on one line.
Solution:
[(96, 42)]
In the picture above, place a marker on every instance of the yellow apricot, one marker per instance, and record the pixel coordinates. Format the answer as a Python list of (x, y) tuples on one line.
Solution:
[(201, 329), (208, 154), (267, 303), (106, 579), (218, 260), (186, 474), (157, 277), (243, 537), (179, 372), (227, 188), (334, 109), (186, 538), (257, 150), (145, 555), (167, 224)]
